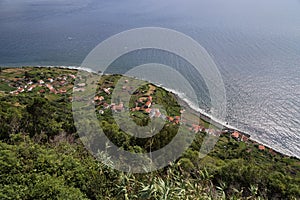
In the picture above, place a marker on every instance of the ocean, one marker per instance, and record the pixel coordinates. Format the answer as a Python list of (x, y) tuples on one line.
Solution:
[(254, 43)]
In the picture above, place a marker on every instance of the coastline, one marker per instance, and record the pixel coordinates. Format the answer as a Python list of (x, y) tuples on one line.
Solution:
[(187, 103), (222, 125)]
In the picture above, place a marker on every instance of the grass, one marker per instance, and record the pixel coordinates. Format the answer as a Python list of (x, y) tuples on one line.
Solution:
[(51, 97), (6, 88)]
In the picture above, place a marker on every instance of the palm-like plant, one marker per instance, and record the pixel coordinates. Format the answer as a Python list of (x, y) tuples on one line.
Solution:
[(222, 189)]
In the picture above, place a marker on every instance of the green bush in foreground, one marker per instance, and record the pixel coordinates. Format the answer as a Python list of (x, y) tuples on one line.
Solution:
[(65, 171)]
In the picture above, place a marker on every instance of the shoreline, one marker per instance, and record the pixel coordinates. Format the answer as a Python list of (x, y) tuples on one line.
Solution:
[(215, 122), (188, 104)]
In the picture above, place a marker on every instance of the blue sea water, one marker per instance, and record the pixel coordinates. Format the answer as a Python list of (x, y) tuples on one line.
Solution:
[(255, 44)]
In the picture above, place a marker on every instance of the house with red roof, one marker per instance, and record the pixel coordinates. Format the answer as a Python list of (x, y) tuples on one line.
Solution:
[(148, 104), (105, 105), (20, 90), (148, 110), (235, 135), (261, 147), (72, 76), (171, 119), (50, 87), (244, 138), (31, 88), (106, 90), (97, 98), (101, 98), (62, 91), (118, 108), (41, 82), (50, 80), (196, 128), (157, 113)]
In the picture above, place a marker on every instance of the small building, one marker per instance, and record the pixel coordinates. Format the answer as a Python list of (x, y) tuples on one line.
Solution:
[(41, 82), (235, 135), (152, 113), (157, 113), (261, 147), (53, 90), (148, 104), (171, 119), (20, 90), (106, 105), (81, 84), (137, 108), (72, 76), (101, 98), (118, 108), (62, 91), (148, 110), (62, 83), (177, 119), (30, 88), (106, 90), (244, 138), (196, 128), (101, 112), (50, 87), (97, 98), (78, 89)]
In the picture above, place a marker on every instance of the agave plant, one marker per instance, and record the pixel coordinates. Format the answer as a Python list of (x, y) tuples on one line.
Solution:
[(254, 190), (221, 189)]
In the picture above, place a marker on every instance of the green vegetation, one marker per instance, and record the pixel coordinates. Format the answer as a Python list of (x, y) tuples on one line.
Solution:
[(42, 157)]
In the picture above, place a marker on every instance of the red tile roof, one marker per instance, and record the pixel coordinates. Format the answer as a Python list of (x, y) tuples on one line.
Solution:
[(148, 104), (148, 110), (62, 91), (235, 134), (157, 113), (119, 107), (197, 128), (245, 138), (171, 119), (261, 147)]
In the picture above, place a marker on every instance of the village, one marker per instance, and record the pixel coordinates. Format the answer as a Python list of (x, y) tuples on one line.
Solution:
[(55, 85), (64, 84), (144, 104)]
